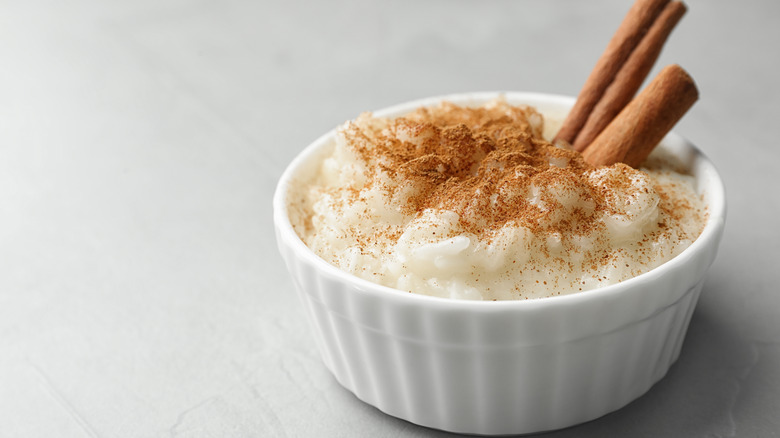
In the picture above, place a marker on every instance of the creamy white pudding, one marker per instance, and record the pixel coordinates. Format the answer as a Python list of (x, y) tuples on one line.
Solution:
[(474, 203)]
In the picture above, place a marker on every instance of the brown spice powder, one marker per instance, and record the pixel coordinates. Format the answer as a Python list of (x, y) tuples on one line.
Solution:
[(482, 163)]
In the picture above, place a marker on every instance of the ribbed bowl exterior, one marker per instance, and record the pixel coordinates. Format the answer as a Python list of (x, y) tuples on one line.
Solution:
[(497, 368)]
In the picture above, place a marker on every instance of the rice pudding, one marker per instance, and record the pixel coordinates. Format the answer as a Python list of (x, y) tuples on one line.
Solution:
[(475, 203)]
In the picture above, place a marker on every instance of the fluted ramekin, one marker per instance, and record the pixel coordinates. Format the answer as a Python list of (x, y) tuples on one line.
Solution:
[(505, 367)]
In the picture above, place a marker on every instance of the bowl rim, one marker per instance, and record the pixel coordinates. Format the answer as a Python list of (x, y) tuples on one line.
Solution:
[(712, 230)]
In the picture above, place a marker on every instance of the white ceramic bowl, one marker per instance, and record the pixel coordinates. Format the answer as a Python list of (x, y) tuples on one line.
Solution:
[(505, 367)]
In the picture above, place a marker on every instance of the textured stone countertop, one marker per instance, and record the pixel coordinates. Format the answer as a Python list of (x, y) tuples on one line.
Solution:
[(141, 291)]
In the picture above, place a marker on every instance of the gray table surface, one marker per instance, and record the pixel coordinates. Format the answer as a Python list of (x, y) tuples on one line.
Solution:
[(141, 292)]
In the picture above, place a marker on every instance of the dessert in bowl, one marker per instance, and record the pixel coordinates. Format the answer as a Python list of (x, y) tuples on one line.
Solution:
[(527, 362)]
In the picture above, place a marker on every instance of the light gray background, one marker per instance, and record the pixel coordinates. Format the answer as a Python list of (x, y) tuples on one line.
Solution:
[(141, 294)]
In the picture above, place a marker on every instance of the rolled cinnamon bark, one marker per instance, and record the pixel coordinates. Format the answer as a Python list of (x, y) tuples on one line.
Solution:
[(631, 75), (634, 26), (644, 122)]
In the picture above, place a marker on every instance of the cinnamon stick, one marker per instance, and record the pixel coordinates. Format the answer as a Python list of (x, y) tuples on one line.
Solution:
[(631, 75), (644, 122), (636, 23)]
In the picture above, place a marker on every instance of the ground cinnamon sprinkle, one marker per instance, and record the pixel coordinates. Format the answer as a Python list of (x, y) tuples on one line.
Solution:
[(474, 203), (480, 163)]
